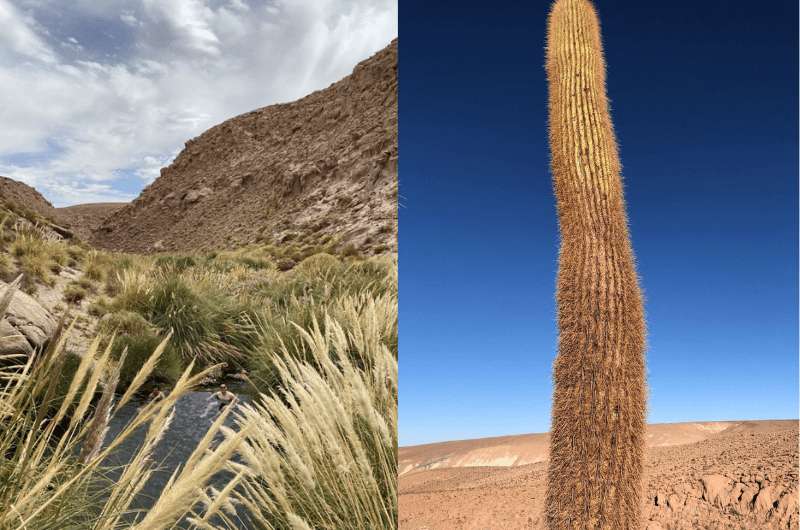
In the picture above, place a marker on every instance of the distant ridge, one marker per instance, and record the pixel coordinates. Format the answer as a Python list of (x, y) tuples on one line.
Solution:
[(523, 449)]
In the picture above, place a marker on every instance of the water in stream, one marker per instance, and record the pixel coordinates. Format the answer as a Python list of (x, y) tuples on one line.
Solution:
[(188, 426)]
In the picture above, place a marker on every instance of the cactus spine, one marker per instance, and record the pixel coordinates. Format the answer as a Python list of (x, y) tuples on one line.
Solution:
[(598, 424)]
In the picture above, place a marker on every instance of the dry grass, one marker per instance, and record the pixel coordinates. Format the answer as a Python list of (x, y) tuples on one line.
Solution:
[(315, 450), (321, 452), (43, 484)]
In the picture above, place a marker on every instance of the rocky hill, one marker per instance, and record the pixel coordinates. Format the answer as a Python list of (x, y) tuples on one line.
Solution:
[(84, 219), (19, 195), (80, 221), (319, 169)]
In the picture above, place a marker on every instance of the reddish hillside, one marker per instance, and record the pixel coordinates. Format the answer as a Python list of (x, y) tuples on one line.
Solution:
[(322, 167)]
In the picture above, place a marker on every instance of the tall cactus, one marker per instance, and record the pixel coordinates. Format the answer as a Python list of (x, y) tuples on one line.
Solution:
[(598, 425)]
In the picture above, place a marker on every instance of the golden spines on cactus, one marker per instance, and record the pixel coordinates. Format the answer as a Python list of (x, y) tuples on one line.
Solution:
[(598, 424)]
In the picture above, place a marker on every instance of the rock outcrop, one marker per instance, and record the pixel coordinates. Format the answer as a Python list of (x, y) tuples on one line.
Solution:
[(748, 481), (299, 173), (742, 477), (21, 195), (26, 326)]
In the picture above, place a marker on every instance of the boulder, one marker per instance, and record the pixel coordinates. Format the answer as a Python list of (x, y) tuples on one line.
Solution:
[(716, 489), (675, 502), (746, 498), (787, 509), (12, 342), (764, 499), (26, 325), (192, 196)]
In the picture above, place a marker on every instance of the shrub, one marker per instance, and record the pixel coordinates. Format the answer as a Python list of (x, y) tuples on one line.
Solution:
[(139, 348), (97, 265), (99, 307), (76, 255), (337, 420), (57, 252), (320, 265), (206, 322), (74, 293), (175, 263), (25, 245), (124, 323), (35, 267), (132, 290), (256, 258), (85, 283), (38, 257)]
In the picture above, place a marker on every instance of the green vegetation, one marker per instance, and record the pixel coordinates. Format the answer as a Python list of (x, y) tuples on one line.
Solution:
[(52, 448), (318, 340), (231, 307), (74, 293), (324, 457)]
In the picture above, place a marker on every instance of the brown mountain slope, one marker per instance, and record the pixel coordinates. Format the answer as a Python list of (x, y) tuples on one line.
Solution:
[(323, 166), (84, 219), (23, 196), (81, 220)]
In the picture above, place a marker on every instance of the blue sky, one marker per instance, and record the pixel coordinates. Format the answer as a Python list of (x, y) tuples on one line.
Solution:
[(704, 101), (97, 97)]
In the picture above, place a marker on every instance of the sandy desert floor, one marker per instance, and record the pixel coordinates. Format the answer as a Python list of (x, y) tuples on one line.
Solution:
[(731, 475)]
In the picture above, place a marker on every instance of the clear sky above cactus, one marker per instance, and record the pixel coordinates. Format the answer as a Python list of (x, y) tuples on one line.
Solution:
[(705, 117)]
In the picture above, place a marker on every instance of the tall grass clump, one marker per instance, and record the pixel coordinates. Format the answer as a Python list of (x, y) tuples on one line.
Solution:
[(320, 285), (598, 421), (37, 257), (206, 321), (321, 451), (135, 340), (53, 443)]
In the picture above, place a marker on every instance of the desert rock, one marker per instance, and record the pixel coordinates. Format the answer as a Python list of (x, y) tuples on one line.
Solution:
[(25, 320), (699, 476)]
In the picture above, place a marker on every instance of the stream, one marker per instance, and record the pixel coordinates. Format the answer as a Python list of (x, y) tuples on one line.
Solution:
[(190, 423)]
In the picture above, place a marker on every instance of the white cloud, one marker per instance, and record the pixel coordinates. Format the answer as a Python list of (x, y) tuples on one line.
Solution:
[(98, 96), (20, 35)]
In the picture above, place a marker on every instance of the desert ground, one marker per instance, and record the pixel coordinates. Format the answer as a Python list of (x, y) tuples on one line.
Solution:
[(714, 475)]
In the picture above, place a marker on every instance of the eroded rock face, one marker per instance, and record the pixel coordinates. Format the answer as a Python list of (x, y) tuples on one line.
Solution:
[(319, 168), (716, 489), (26, 326), (748, 481)]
